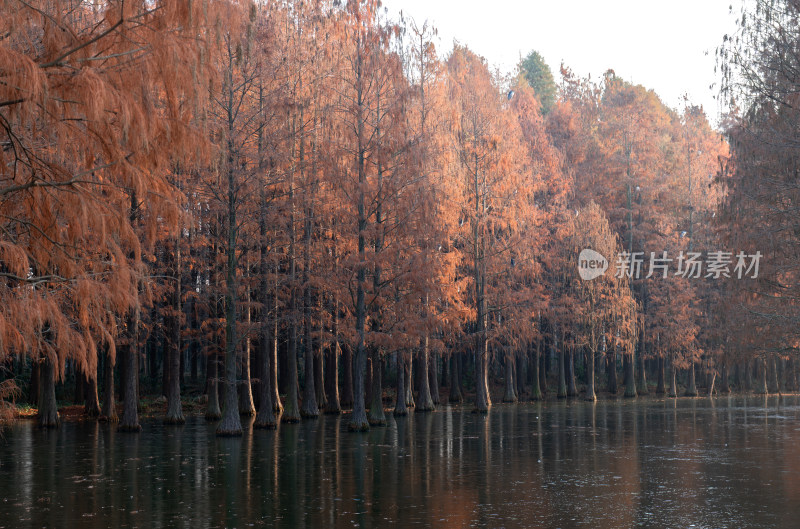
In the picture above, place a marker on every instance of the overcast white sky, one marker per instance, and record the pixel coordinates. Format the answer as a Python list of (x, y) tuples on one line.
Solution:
[(667, 46)]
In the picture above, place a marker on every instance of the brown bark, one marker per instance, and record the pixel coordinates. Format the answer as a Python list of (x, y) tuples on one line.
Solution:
[(47, 416)]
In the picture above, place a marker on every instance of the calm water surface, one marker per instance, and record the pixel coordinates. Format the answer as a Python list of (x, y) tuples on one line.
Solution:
[(687, 463)]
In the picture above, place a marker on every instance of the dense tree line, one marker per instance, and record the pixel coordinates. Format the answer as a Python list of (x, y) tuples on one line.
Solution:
[(292, 206)]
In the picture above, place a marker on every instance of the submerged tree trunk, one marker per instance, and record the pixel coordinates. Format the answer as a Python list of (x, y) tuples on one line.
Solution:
[(510, 394), (630, 381), (92, 406), (543, 374), (482, 398), (712, 378), (590, 394), (562, 376), (213, 410), (433, 378), (319, 375), (691, 388), (400, 408), (725, 383), (174, 410), (265, 418), (772, 373), (410, 384), (310, 408), (347, 377), (231, 424), (47, 416), (376, 415), (456, 395), (761, 387), (332, 404), (247, 407), (611, 371), (425, 401), (130, 401), (536, 390), (109, 412), (660, 386), (673, 377), (641, 377), (572, 389)]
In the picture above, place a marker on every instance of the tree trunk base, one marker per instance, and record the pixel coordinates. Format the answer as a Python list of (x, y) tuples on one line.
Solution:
[(265, 424), (175, 420), (129, 428), (360, 426), (229, 433)]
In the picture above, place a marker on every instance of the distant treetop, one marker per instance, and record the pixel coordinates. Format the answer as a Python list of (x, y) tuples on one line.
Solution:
[(538, 74)]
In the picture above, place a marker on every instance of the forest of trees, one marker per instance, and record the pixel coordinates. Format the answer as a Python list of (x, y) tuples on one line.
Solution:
[(285, 208)]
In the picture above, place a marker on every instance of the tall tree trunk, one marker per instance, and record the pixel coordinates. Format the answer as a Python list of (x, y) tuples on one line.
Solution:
[(130, 400), (590, 394), (332, 404), (543, 374), (376, 415), (409, 384), (129, 368), (630, 381), (92, 406), (691, 387), (510, 395), (265, 418), (80, 387), (347, 377), (761, 373), (310, 409), (213, 410), (400, 408), (455, 393), (641, 376), (572, 390), (772, 373), (109, 412), (174, 409), (47, 416), (433, 378), (611, 370), (725, 383), (33, 387), (673, 376), (660, 387), (562, 375), (277, 405), (425, 401), (231, 423), (536, 390), (247, 407), (319, 374), (712, 378)]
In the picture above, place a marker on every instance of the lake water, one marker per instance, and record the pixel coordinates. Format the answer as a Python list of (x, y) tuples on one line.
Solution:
[(727, 462)]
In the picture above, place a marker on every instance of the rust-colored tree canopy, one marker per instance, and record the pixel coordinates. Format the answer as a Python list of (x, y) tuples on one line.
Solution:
[(286, 207)]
